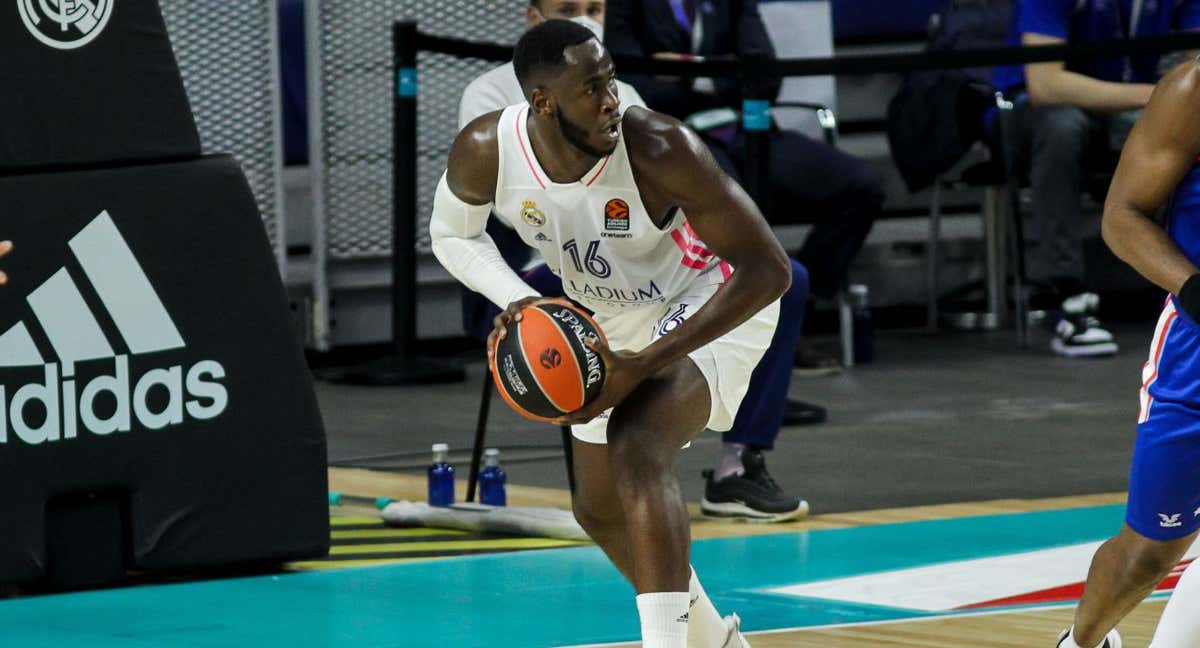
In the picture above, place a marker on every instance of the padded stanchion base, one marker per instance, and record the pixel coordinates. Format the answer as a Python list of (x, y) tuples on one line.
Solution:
[(399, 371)]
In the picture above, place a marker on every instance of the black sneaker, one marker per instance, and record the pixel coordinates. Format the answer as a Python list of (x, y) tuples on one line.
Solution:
[(1079, 333), (752, 496), (800, 413)]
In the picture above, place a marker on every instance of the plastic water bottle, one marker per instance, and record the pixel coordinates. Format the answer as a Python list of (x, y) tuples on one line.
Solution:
[(864, 331), (441, 477), (491, 479)]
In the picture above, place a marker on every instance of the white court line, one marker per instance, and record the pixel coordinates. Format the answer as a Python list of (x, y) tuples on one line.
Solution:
[(863, 624)]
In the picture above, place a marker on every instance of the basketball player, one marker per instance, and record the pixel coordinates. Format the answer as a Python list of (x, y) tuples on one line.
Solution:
[(1159, 166), (684, 330), (5, 247), (738, 485)]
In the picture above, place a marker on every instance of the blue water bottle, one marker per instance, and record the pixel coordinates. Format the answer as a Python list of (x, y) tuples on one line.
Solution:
[(441, 477), (864, 330), (491, 479)]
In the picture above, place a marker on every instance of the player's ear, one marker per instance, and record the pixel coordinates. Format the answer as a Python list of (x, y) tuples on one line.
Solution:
[(533, 17), (541, 102)]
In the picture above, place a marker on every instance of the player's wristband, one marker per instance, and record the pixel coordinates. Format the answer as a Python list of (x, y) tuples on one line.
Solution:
[(1189, 297)]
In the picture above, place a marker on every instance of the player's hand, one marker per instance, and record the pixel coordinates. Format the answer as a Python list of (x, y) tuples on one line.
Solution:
[(501, 322), (623, 372), (5, 247)]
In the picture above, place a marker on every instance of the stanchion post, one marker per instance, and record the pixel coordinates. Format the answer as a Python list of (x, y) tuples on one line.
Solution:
[(404, 366), (756, 124), (404, 186)]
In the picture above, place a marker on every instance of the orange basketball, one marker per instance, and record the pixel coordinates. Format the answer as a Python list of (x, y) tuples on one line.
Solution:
[(542, 368)]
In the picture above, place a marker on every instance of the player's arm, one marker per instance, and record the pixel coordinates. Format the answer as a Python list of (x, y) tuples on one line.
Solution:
[(728, 222), (5, 247), (461, 207), (1052, 84), (1161, 149)]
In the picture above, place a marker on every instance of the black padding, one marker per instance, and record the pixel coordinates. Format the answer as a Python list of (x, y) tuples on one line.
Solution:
[(118, 98), (247, 482)]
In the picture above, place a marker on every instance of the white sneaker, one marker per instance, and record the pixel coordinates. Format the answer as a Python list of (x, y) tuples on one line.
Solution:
[(735, 639), (1111, 640), (1078, 333)]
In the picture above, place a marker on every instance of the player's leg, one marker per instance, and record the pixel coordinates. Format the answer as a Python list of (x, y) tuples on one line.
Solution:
[(1124, 572), (645, 433), (597, 505), (1161, 516), (629, 502)]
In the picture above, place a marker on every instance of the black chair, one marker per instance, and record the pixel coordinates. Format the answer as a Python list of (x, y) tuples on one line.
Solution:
[(485, 404), (1000, 213)]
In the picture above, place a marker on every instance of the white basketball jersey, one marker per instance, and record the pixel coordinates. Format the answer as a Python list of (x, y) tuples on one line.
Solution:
[(596, 233)]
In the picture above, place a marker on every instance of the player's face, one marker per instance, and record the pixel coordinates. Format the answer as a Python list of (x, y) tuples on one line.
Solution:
[(588, 109), (568, 9)]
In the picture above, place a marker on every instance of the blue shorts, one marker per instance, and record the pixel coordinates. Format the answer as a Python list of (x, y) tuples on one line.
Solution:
[(1164, 482)]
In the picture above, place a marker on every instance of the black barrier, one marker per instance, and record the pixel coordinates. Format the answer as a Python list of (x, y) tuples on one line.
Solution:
[(850, 64), (148, 355), (89, 88), (156, 411)]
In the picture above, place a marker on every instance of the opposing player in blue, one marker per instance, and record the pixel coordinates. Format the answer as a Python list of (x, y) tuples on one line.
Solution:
[(1160, 166)]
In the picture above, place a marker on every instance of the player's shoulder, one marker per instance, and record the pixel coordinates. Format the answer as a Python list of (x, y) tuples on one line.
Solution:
[(475, 159), (654, 138), (481, 135), (1182, 84)]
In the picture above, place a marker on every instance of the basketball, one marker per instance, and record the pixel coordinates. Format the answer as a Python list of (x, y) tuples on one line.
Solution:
[(542, 368)]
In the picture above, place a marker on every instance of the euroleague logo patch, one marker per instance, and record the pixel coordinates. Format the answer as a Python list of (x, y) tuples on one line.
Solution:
[(616, 215), (550, 358), (65, 24)]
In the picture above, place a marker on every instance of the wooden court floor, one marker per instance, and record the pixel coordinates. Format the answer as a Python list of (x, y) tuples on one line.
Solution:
[(1008, 630), (1025, 629)]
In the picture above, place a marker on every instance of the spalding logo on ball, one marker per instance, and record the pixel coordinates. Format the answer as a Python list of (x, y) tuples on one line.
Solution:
[(542, 368)]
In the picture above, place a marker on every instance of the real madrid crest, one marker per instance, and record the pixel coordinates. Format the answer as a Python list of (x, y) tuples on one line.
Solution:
[(65, 24), (531, 214)]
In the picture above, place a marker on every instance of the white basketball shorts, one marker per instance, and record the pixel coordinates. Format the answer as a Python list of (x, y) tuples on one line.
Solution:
[(726, 362)]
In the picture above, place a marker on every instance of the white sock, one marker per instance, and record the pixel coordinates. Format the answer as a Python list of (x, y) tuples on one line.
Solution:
[(1070, 642), (1180, 625), (664, 618), (730, 462), (706, 628)]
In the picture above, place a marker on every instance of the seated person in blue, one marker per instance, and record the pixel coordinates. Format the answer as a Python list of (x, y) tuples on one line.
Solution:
[(1066, 116)]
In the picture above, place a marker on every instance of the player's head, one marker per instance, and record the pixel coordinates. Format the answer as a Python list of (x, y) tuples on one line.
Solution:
[(586, 12), (568, 76)]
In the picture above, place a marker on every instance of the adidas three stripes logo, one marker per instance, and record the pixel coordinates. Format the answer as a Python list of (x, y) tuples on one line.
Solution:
[(75, 335)]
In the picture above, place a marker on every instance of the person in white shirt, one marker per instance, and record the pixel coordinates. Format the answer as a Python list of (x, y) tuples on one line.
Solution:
[(498, 88)]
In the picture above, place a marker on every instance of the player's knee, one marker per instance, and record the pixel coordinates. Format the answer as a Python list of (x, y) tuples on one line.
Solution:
[(633, 454), (1148, 562), (596, 515)]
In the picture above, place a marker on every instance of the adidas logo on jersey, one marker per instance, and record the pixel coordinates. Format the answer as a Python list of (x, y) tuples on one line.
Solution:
[(112, 399)]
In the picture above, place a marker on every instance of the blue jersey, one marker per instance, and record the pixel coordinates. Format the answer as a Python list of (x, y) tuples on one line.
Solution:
[(1183, 219), (1164, 481)]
